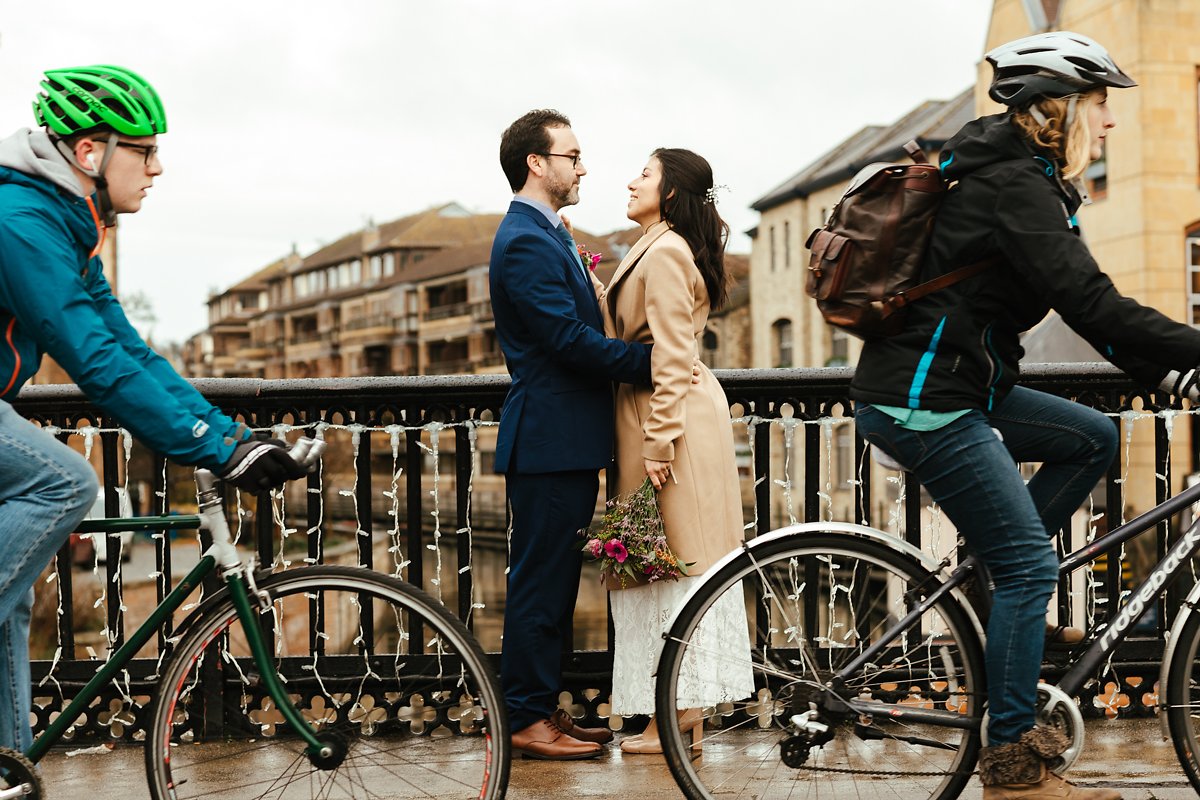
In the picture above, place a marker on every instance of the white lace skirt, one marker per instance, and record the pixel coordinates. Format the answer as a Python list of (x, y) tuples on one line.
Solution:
[(716, 668)]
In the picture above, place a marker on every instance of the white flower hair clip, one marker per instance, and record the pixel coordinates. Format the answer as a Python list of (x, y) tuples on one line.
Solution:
[(711, 194)]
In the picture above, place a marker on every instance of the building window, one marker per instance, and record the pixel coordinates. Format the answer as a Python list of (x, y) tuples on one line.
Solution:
[(708, 347), (1192, 259), (839, 348), (787, 244), (781, 330), (771, 245), (1096, 176)]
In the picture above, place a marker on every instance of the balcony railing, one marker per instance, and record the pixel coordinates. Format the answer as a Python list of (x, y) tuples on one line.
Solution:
[(446, 311), (401, 492), (383, 320), (456, 366)]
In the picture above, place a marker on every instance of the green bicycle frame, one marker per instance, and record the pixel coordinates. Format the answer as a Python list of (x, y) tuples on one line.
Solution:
[(236, 583)]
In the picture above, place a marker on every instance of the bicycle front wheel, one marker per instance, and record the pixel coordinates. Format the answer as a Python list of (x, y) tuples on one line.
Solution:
[(804, 607), (372, 663), (1182, 694)]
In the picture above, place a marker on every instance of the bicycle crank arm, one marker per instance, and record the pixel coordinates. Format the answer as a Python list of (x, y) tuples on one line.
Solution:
[(17, 791), (872, 733)]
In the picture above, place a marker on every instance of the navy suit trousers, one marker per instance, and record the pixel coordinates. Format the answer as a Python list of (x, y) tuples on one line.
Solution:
[(548, 509)]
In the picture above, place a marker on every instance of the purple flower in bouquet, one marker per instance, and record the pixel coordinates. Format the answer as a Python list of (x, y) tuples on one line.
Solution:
[(615, 550)]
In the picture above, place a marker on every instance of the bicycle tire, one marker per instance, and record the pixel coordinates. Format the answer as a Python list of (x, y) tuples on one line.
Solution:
[(412, 723), (741, 754), (1182, 694)]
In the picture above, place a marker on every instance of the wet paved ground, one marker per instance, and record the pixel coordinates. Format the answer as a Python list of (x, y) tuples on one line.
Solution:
[(1130, 755)]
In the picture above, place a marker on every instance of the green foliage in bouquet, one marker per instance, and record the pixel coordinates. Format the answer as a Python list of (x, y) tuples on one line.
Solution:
[(630, 543)]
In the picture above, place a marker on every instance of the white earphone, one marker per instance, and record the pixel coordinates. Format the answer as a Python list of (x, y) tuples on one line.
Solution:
[(91, 159)]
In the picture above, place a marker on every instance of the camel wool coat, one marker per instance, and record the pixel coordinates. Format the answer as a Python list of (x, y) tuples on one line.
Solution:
[(657, 295)]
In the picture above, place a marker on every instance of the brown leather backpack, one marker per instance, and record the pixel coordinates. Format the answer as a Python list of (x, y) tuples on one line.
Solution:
[(866, 261)]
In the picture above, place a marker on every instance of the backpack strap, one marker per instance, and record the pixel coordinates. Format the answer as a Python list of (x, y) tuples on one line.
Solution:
[(916, 152), (902, 299)]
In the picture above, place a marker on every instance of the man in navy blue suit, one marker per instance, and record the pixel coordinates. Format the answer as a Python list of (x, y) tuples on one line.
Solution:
[(556, 428)]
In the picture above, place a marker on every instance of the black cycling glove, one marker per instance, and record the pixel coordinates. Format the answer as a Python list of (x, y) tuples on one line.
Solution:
[(1182, 384), (257, 466)]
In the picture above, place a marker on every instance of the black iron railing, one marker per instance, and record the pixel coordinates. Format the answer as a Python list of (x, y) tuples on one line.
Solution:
[(407, 489)]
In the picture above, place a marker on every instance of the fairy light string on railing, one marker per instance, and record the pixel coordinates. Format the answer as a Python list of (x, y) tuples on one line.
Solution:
[(430, 441)]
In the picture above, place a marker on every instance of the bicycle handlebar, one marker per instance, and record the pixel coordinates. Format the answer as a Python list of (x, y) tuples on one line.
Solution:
[(306, 452)]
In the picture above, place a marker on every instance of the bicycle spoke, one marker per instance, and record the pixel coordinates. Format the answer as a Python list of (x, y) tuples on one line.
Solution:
[(401, 698), (819, 605)]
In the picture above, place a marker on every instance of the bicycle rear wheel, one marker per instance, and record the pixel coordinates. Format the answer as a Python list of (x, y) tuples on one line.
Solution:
[(812, 603), (380, 668)]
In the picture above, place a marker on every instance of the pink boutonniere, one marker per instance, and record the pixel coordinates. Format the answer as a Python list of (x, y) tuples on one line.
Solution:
[(589, 259)]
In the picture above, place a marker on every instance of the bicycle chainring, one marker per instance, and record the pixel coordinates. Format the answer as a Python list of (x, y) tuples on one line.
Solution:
[(1057, 709), (17, 770)]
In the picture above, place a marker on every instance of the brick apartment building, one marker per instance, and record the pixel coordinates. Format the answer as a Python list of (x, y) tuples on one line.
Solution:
[(409, 297)]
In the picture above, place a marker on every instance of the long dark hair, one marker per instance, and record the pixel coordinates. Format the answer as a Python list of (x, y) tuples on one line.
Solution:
[(686, 202)]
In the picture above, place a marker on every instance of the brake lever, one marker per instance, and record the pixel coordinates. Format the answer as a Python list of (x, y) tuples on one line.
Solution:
[(307, 452)]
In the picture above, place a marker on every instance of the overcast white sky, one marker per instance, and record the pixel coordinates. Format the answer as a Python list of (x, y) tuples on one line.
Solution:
[(293, 122)]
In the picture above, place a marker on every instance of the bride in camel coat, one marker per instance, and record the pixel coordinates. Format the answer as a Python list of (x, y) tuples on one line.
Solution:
[(677, 433)]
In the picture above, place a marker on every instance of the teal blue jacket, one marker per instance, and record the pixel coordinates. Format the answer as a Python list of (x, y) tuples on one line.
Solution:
[(54, 299)]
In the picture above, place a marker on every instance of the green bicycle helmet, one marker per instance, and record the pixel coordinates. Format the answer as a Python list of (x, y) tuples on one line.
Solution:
[(79, 99)]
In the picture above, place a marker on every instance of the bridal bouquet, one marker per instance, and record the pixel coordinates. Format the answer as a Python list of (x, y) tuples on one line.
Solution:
[(630, 543)]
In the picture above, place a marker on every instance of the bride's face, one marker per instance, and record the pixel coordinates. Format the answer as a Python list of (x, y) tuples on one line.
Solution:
[(643, 205)]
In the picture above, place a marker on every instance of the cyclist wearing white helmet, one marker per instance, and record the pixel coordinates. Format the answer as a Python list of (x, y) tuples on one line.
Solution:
[(934, 396), (60, 189)]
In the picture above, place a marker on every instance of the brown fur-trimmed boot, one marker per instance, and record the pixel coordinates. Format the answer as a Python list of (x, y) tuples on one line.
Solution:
[(1019, 771)]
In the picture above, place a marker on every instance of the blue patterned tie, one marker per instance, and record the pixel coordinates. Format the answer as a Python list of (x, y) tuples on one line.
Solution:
[(561, 231)]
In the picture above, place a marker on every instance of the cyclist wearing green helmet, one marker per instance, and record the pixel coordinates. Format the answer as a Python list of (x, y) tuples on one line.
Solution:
[(60, 188), (101, 104)]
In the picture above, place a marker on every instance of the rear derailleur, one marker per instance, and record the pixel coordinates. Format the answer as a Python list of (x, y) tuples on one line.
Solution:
[(808, 730)]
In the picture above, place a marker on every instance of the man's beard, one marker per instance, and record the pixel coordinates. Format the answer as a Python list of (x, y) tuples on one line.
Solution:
[(563, 193)]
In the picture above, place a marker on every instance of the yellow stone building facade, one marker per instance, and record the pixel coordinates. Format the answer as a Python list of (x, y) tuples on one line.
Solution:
[(1144, 228)]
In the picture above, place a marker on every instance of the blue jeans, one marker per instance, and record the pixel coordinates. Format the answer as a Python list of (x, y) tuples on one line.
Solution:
[(46, 488), (972, 475)]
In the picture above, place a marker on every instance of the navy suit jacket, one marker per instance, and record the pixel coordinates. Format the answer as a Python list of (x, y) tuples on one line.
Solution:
[(558, 415)]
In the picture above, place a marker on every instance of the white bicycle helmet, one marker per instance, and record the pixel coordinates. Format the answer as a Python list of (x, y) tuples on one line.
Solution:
[(1054, 64)]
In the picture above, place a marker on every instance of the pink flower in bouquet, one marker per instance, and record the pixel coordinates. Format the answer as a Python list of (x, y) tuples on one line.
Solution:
[(615, 550), (595, 547)]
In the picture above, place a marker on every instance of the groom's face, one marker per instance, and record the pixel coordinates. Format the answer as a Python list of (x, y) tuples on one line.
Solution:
[(562, 177)]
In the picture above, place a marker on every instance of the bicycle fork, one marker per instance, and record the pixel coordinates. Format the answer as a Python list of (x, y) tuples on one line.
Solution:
[(323, 751)]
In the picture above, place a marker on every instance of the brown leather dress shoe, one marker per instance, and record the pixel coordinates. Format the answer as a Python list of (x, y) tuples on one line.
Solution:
[(543, 739), (563, 721)]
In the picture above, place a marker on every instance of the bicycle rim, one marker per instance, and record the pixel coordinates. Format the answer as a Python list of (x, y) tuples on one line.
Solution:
[(809, 606), (396, 683), (1183, 699)]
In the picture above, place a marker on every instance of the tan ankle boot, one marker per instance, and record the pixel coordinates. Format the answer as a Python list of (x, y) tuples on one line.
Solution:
[(1018, 771)]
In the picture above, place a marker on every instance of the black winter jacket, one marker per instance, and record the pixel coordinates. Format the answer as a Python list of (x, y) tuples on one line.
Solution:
[(960, 346)]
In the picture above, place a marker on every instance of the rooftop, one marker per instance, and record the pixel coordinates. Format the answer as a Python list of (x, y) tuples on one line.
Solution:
[(932, 124)]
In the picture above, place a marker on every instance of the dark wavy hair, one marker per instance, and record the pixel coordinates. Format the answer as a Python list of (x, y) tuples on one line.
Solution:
[(529, 134), (685, 203)]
